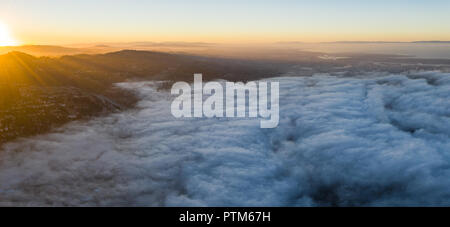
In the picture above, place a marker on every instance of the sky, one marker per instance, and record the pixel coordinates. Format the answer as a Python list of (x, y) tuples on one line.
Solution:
[(81, 21)]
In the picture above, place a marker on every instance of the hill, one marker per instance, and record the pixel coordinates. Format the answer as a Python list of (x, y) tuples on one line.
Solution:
[(39, 93), (44, 50)]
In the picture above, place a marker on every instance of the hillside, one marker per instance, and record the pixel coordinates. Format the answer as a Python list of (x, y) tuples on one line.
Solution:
[(39, 93)]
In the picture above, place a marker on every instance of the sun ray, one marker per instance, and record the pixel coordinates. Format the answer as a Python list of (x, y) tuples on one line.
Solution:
[(28, 69)]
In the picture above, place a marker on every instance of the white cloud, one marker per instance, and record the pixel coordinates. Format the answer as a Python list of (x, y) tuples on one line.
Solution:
[(373, 140)]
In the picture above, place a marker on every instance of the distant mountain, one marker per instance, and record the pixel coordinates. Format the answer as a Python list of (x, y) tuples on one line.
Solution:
[(290, 43), (436, 41), (369, 42), (359, 42), (170, 44), (101, 48), (362, 42), (43, 50), (145, 46)]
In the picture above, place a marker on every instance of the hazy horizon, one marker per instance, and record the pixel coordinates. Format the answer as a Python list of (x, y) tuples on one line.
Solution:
[(279, 50)]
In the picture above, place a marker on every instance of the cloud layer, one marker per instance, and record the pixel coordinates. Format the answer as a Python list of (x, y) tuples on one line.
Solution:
[(374, 140)]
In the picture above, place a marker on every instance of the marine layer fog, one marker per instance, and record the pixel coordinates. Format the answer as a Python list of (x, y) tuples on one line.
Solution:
[(375, 139)]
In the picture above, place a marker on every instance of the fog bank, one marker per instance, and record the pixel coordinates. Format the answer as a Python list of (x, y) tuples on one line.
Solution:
[(373, 140)]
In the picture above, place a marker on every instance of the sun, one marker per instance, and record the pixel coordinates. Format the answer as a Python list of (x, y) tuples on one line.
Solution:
[(5, 37)]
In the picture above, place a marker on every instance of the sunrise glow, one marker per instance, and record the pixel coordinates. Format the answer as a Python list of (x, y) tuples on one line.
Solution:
[(5, 37)]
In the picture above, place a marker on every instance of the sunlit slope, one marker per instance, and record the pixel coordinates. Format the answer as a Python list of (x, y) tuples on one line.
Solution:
[(38, 93)]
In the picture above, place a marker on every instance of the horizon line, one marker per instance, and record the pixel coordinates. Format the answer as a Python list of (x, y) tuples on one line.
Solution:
[(225, 43)]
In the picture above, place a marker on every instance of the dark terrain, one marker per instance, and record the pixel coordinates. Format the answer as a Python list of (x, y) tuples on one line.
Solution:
[(39, 93)]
